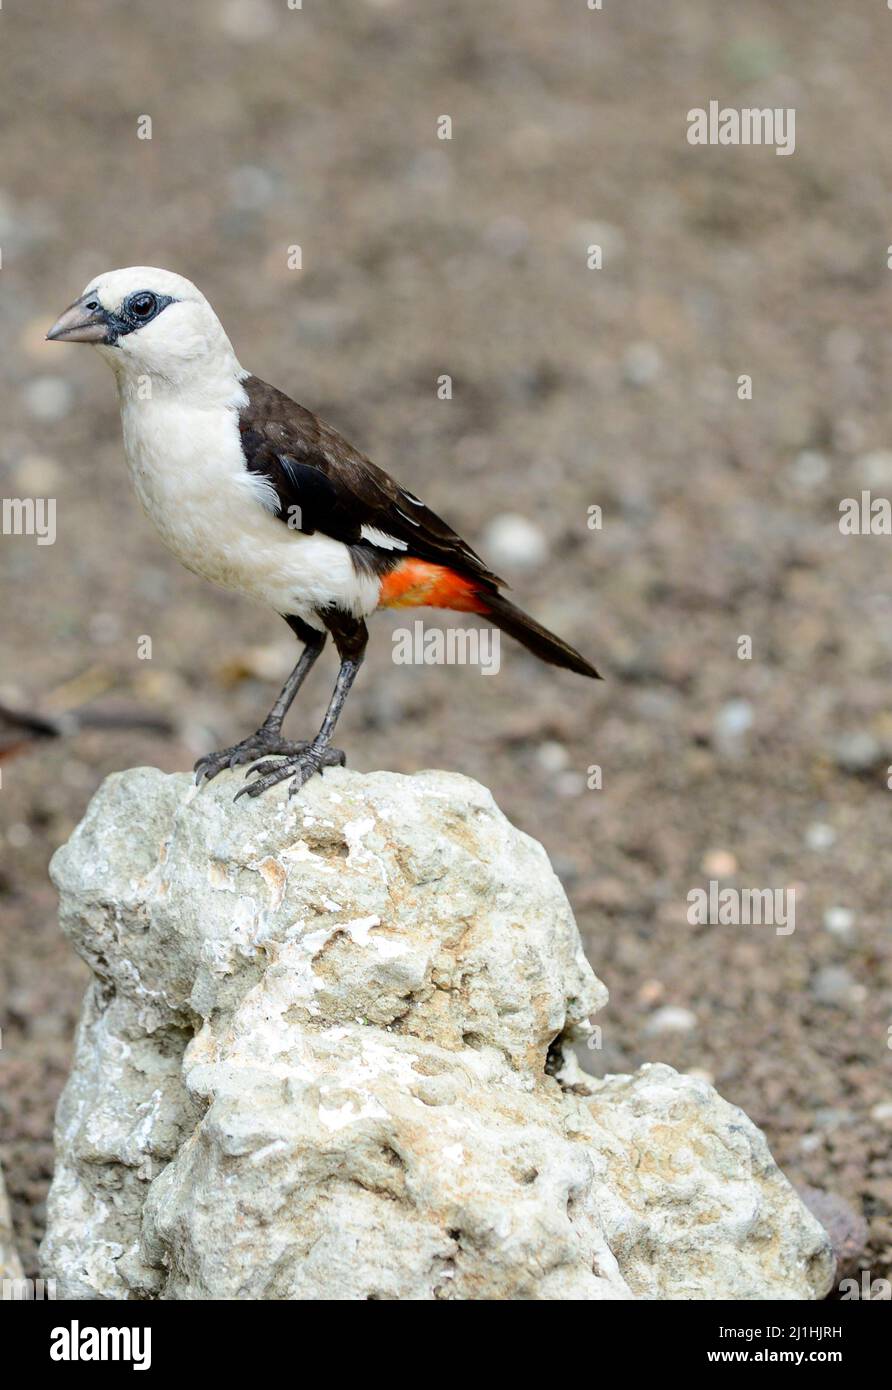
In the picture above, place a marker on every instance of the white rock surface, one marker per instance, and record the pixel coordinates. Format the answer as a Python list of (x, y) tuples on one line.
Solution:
[(318, 1057), (10, 1264)]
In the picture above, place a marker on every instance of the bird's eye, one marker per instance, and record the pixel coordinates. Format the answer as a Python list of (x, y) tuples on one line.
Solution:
[(92, 305), (143, 305)]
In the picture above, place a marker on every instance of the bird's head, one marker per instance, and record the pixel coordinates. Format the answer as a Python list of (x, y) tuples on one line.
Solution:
[(149, 323)]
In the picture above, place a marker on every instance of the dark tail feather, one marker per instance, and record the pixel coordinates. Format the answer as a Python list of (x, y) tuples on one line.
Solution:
[(533, 635)]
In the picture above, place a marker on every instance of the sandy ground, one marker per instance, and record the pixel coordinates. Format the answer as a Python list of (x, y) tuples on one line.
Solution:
[(572, 388)]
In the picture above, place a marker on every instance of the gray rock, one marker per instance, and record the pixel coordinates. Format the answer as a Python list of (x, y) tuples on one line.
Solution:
[(322, 1058), (847, 1229)]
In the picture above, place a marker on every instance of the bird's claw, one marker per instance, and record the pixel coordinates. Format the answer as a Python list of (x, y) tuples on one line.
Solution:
[(298, 769), (257, 745)]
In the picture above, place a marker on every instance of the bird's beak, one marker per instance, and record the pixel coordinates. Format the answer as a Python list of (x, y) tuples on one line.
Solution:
[(80, 325)]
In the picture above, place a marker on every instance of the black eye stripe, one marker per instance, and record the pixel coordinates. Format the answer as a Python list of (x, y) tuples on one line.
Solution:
[(126, 320), (143, 305)]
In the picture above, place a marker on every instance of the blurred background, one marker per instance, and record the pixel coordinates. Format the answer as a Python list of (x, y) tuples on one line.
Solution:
[(572, 387)]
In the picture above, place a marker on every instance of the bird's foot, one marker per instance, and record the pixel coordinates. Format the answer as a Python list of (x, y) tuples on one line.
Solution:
[(312, 758), (262, 744)]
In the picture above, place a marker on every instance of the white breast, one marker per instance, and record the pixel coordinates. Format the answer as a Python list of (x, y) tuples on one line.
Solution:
[(189, 472)]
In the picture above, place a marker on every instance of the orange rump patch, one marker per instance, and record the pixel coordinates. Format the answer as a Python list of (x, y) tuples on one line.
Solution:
[(420, 584)]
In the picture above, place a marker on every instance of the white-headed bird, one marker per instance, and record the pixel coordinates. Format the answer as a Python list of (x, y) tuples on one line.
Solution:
[(254, 492)]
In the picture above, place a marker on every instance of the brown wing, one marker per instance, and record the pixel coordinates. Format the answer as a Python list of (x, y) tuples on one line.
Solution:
[(324, 484)]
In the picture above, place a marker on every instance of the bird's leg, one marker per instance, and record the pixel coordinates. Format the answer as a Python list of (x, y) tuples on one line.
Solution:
[(350, 636), (312, 757), (267, 741)]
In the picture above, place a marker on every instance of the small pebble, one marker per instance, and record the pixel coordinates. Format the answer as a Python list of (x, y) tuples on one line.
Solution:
[(514, 542), (719, 863), (857, 752), (552, 756), (809, 469), (840, 922), (670, 1019), (731, 723), (820, 836), (833, 984), (875, 469), (570, 784)]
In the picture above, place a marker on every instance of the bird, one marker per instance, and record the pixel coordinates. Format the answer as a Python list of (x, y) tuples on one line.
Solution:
[(257, 494)]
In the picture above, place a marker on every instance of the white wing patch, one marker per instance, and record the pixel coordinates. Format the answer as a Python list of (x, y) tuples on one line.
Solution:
[(262, 491), (381, 539)]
